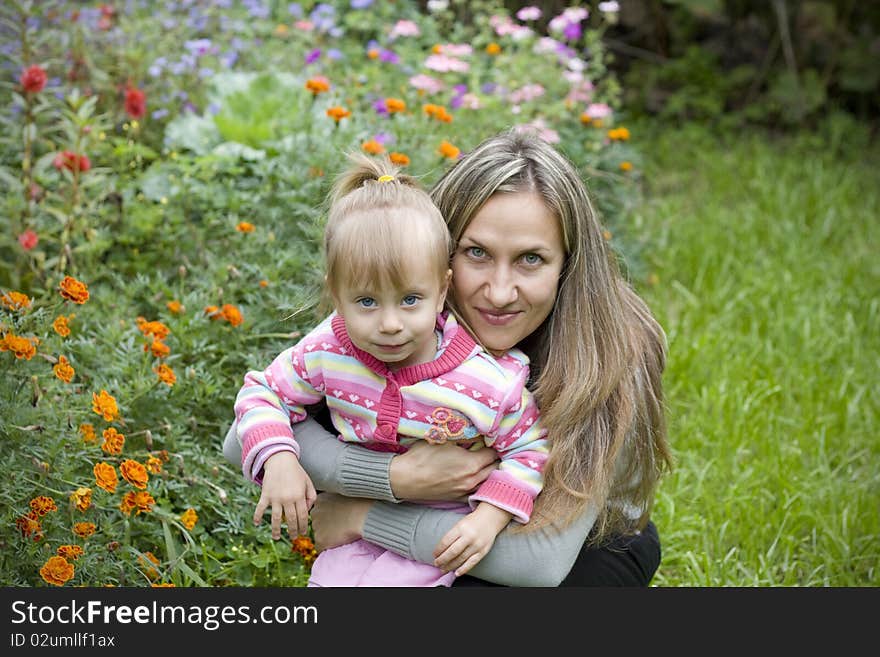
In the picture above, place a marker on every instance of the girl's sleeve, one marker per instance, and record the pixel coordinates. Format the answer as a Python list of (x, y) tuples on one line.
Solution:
[(269, 401), (521, 441), (541, 557)]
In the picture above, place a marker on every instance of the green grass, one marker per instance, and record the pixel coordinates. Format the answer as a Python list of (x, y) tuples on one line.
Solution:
[(766, 277)]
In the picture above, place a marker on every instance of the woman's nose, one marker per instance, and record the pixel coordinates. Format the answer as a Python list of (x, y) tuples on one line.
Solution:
[(501, 288)]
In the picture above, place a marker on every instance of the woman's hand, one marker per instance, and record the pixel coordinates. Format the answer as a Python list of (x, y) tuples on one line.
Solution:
[(440, 472), (337, 520)]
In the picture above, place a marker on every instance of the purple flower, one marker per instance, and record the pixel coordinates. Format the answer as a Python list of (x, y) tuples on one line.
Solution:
[(295, 10), (361, 4), (313, 56), (384, 138), (380, 107), (159, 113), (335, 54), (572, 31), (388, 56)]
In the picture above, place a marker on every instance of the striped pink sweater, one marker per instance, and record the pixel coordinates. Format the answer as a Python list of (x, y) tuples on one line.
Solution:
[(463, 395)]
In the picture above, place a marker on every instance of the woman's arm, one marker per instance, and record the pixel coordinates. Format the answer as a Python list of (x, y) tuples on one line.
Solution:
[(524, 558), (425, 472)]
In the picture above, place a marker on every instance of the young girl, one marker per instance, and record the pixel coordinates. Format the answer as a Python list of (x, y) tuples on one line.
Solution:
[(394, 367)]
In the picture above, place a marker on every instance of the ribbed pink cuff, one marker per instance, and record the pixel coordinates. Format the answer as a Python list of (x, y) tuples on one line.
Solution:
[(504, 496)]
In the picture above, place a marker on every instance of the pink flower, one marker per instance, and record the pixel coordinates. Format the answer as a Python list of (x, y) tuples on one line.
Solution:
[(529, 14), (445, 64), (28, 239), (33, 79), (426, 83), (598, 111), (539, 127), (403, 28)]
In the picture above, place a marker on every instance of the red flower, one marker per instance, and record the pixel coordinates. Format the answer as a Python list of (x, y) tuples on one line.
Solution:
[(135, 102), (28, 239), (33, 79), (71, 161)]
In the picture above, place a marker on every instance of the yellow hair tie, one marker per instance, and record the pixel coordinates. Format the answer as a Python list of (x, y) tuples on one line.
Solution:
[(385, 178)]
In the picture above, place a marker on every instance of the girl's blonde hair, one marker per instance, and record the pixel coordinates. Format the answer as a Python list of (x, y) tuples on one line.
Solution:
[(597, 359), (380, 222)]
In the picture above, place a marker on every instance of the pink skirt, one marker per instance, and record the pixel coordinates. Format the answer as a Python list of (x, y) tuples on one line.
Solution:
[(364, 564)]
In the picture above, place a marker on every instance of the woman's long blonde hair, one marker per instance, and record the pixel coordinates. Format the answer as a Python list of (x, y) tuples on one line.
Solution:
[(598, 358)]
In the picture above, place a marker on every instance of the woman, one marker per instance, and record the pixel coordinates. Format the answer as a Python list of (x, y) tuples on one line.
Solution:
[(530, 269)]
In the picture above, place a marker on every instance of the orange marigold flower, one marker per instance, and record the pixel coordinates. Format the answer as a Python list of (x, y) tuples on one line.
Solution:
[(399, 159), (586, 119), (127, 503), (618, 134), (166, 375), (29, 524), (395, 105), (57, 571), (448, 150), (88, 432), (84, 529), (82, 498), (105, 476), (20, 347), (113, 441), (337, 113), (158, 348), (60, 325), (174, 307), (74, 290), (134, 473), (303, 546), (154, 465), (438, 112), (147, 561), (373, 147), (104, 404), (42, 505), (493, 49), (213, 312), (244, 227), (143, 501), (626, 166), (189, 518), (318, 85), (231, 314), (63, 370), (72, 552), (155, 328), (264, 283), (15, 300)]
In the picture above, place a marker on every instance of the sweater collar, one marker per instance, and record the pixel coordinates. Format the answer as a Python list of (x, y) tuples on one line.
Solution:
[(456, 344)]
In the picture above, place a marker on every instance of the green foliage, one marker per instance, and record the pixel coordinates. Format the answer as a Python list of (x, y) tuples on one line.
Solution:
[(204, 210), (762, 270)]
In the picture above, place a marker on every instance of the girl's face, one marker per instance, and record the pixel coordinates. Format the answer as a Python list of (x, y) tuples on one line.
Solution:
[(506, 269), (395, 324)]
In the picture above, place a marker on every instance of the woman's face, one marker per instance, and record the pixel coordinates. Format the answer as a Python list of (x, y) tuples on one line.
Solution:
[(506, 267)]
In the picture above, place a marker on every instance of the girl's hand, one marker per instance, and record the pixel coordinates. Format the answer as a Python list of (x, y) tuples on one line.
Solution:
[(288, 489), (440, 472), (465, 545), (337, 520)]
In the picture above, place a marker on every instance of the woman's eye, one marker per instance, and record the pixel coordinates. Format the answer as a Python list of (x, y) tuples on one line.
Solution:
[(410, 300), (475, 252), (366, 302), (532, 259)]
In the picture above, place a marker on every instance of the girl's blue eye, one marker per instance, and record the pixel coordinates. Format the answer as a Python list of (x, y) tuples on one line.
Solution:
[(366, 302), (476, 252), (410, 300), (532, 258)]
